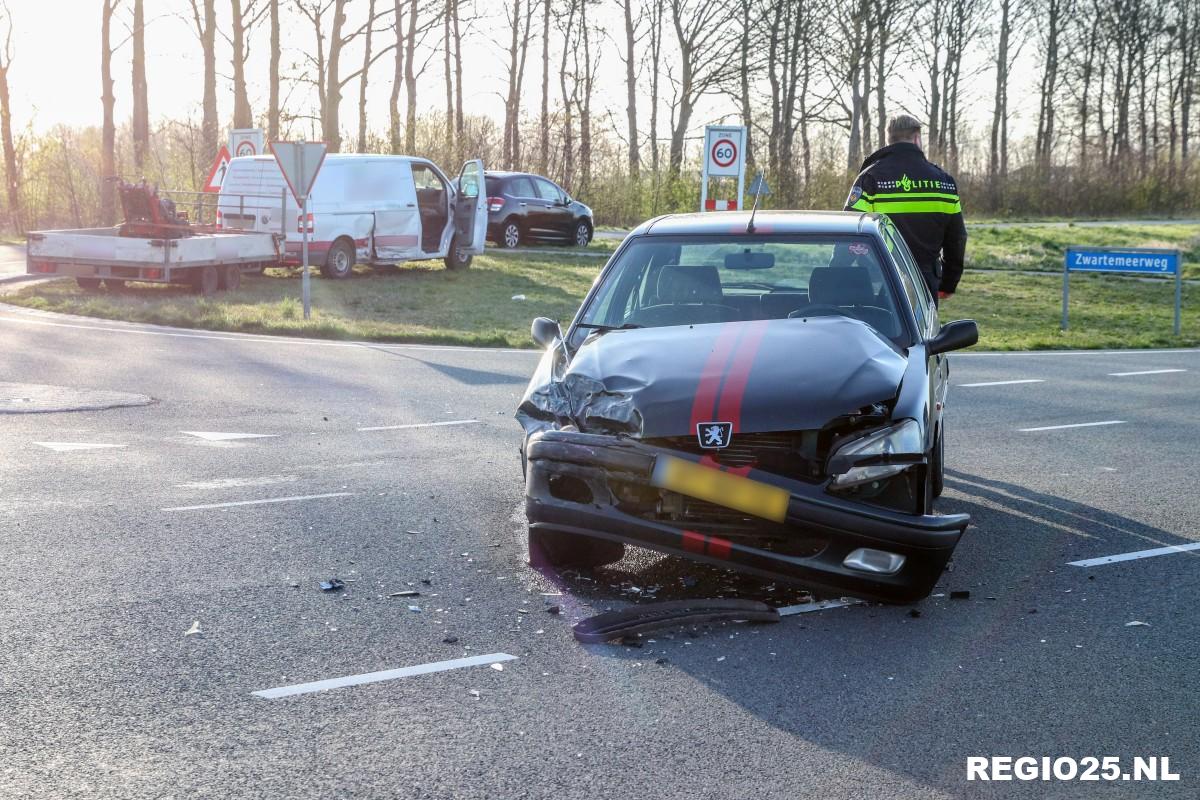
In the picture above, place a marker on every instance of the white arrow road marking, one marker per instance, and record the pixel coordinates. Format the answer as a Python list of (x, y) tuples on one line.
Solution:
[(1144, 372), (216, 436), (260, 502), (420, 425), (66, 447), (1074, 425), (1002, 383), (1157, 551), (383, 675)]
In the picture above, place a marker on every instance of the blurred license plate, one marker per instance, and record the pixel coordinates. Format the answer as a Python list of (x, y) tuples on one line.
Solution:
[(714, 486)]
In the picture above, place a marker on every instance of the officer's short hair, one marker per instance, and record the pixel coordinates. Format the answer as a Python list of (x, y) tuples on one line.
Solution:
[(902, 128)]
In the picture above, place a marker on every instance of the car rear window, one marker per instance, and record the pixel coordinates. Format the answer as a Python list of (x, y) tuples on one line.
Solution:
[(660, 281)]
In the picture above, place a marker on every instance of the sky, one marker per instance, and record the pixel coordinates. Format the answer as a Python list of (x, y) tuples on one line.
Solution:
[(55, 75)]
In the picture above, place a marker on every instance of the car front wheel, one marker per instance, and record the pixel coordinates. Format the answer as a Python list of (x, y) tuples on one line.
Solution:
[(510, 234), (583, 233)]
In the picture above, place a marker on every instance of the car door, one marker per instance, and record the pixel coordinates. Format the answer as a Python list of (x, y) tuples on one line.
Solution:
[(470, 208), (526, 203), (388, 186), (554, 210)]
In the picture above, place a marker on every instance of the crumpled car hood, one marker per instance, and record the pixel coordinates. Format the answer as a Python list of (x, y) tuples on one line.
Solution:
[(761, 376)]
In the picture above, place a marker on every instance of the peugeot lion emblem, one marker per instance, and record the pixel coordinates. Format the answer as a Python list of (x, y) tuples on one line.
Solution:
[(714, 435)]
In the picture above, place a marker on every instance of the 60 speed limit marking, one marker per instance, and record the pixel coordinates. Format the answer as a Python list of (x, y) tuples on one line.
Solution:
[(724, 152)]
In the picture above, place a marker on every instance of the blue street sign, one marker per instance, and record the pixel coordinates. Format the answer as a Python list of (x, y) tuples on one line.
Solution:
[(1155, 262), (1143, 262)]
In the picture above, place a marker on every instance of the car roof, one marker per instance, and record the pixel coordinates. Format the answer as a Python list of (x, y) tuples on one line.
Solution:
[(338, 157), (827, 222)]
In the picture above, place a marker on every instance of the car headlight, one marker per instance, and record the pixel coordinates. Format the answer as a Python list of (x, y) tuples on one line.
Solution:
[(877, 455)]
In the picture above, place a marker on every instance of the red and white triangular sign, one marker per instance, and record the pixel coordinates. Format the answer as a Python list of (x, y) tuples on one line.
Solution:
[(216, 175), (299, 162)]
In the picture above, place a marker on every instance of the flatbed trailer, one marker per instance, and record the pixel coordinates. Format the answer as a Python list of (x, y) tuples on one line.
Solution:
[(206, 259)]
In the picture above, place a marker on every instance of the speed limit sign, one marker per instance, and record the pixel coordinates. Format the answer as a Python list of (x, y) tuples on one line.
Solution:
[(723, 150)]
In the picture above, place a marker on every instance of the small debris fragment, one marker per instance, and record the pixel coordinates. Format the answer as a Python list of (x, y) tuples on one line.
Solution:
[(960, 594), (450, 640), (294, 585), (474, 693), (1033, 611), (406, 593), (720, 658), (498, 667), (553, 610), (631, 641), (426, 582), (914, 613), (195, 629), (414, 533), (518, 297), (332, 585), (661, 661), (415, 609), (1137, 623)]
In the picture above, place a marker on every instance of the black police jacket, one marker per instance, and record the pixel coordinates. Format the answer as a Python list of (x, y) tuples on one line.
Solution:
[(922, 200)]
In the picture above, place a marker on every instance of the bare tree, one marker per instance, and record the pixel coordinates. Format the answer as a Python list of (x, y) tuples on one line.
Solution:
[(520, 22), (397, 77), (701, 28), (567, 25), (656, 12), (362, 80), (632, 40), (273, 77), (1010, 38), (1053, 17), (140, 127), (544, 118), (246, 15), (204, 16), (12, 178), (108, 129)]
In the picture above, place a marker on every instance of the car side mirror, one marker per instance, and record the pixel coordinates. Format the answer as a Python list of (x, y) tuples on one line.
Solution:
[(953, 336), (545, 331)]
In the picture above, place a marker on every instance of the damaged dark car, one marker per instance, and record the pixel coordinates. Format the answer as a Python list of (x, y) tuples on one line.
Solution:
[(763, 395)]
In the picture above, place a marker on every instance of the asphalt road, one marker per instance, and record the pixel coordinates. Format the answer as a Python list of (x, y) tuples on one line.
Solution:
[(111, 555)]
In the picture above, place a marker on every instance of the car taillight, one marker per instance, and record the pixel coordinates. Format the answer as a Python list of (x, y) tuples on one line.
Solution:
[(300, 224), (153, 274), (495, 203)]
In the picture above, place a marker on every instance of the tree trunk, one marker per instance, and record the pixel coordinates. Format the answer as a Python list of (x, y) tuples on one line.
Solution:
[(397, 81), (1000, 103), (655, 59), (362, 78), (451, 148), (410, 80), (243, 117), (568, 173), (544, 119), (140, 127), (108, 130), (585, 107), (12, 179), (273, 77), (331, 128), (458, 83), (208, 44), (635, 165), (510, 102), (744, 87)]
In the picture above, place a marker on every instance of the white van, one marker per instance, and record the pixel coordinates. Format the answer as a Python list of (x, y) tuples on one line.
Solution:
[(366, 209)]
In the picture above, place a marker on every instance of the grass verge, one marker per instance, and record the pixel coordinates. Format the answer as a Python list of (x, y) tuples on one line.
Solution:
[(423, 302), (1043, 249)]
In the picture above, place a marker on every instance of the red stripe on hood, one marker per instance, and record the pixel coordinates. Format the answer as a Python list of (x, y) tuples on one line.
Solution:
[(704, 406), (730, 409)]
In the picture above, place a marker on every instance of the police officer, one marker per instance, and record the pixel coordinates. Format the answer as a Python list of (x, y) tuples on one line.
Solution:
[(920, 198)]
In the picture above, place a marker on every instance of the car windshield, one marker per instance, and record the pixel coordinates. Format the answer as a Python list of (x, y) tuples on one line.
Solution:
[(660, 281)]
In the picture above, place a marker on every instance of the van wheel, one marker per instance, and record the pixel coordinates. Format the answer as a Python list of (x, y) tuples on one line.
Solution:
[(205, 280), (340, 261), (510, 234), (231, 277), (88, 284), (458, 257)]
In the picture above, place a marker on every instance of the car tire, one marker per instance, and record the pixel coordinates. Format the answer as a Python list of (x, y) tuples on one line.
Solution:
[(571, 551), (937, 472), (88, 284), (205, 280), (339, 262), (456, 259), (582, 235), (510, 234), (231, 277)]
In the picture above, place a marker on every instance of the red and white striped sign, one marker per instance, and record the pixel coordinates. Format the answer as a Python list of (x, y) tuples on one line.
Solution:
[(720, 205)]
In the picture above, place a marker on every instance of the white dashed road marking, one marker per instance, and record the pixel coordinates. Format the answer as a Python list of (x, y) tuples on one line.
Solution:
[(66, 447), (383, 675), (1002, 383), (216, 436), (1157, 551), (1144, 372), (420, 425), (260, 502), (1074, 425)]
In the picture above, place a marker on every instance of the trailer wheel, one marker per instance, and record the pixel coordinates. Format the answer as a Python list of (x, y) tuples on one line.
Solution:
[(231, 277), (205, 280), (88, 284)]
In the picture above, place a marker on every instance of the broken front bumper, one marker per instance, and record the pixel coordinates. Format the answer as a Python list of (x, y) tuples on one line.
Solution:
[(570, 487)]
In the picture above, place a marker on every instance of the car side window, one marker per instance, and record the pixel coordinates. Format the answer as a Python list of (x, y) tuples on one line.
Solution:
[(548, 191), (521, 187), (425, 178), (905, 267)]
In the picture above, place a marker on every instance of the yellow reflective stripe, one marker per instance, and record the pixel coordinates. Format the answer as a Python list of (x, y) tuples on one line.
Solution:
[(912, 196), (862, 204), (920, 207)]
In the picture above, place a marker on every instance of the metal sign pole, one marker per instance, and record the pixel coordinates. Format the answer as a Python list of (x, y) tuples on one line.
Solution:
[(1066, 290), (741, 177), (304, 246), (1178, 290)]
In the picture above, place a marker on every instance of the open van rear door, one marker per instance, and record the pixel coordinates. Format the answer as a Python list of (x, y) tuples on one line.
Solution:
[(470, 209)]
